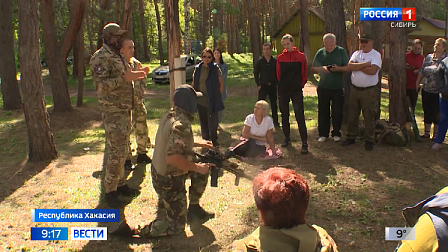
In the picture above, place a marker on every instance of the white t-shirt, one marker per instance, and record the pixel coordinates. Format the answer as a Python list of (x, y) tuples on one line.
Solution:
[(259, 129), (359, 78)]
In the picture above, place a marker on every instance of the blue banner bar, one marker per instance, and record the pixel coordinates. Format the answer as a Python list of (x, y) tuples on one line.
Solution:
[(75, 215), (381, 14), (49, 233)]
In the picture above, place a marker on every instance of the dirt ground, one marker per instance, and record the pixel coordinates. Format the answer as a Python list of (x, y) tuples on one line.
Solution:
[(354, 194)]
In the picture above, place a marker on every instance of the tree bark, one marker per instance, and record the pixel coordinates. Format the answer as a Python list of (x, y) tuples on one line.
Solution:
[(172, 9), (56, 64), (397, 71), (56, 53), (254, 32), (10, 88), (159, 31), (40, 137), (102, 15), (304, 29), (127, 14), (204, 20), (187, 26), (79, 54), (89, 31), (144, 32), (118, 9), (377, 31), (335, 23)]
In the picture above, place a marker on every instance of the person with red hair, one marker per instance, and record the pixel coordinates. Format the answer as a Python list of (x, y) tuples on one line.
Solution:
[(282, 198)]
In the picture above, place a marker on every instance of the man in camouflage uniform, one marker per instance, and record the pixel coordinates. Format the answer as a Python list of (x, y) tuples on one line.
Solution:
[(171, 166), (138, 114), (113, 81)]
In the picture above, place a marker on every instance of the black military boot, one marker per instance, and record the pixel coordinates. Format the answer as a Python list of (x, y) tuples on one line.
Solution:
[(112, 200), (128, 165), (197, 213), (127, 191), (143, 158)]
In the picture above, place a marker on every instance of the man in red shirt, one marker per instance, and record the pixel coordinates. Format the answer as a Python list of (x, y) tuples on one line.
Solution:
[(414, 61), (292, 73)]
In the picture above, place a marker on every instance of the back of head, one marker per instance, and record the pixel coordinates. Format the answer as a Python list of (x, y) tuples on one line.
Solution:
[(282, 197), (186, 98)]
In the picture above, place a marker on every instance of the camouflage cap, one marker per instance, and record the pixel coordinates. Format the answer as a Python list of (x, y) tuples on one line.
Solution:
[(114, 29)]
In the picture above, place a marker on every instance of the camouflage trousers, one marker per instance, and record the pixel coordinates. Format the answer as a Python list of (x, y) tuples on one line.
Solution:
[(172, 203), (140, 128), (117, 126)]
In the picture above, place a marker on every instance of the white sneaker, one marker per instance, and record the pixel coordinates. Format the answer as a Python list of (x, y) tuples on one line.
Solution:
[(336, 138), (322, 139)]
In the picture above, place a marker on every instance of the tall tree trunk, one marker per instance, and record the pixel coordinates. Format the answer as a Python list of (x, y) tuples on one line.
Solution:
[(187, 26), (56, 64), (79, 54), (10, 89), (40, 137), (89, 31), (335, 23), (102, 15), (172, 9), (144, 31), (118, 10), (57, 52), (159, 31), (377, 31), (254, 30), (304, 29), (397, 71), (127, 16), (204, 20)]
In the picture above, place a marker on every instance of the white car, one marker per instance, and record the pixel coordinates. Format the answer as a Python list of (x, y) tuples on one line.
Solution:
[(162, 75)]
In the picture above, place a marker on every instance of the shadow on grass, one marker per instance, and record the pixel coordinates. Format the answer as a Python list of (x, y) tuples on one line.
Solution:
[(75, 133)]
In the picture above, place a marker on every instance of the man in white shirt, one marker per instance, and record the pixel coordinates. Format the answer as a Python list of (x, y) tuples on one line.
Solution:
[(364, 64)]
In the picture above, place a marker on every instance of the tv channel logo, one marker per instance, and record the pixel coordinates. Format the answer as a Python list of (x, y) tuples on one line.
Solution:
[(88, 233), (387, 14)]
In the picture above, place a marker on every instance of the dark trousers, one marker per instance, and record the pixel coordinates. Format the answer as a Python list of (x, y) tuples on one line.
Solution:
[(334, 99), (209, 123), (362, 99), (443, 121), (297, 104), (430, 104), (249, 148), (270, 91), (413, 96)]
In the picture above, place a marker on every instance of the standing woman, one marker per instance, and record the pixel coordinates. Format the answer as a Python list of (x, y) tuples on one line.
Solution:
[(430, 93), (207, 78), (217, 58)]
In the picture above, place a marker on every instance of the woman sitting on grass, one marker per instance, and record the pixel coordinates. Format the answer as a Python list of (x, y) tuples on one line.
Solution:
[(282, 198), (257, 130)]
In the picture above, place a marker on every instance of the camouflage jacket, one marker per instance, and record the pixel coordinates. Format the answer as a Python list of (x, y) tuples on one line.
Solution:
[(174, 136), (301, 238), (140, 85), (107, 68)]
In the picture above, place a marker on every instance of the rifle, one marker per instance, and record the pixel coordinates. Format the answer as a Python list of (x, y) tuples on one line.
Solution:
[(217, 159), (410, 117)]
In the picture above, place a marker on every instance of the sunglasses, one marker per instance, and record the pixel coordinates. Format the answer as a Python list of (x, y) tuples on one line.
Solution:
[(206, 57), (363, 41)]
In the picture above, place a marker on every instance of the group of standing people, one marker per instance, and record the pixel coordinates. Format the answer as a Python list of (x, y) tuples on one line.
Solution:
[(427, 70)]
